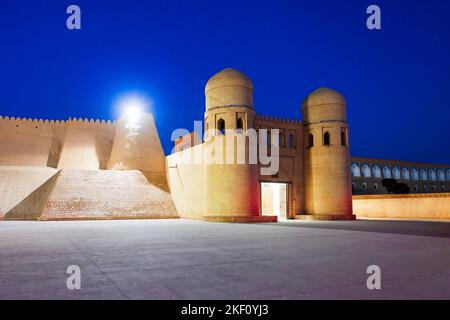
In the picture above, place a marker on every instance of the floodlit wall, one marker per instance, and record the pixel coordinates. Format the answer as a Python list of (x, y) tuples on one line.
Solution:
[(27, 142), (212, 189), (72, 144), (137, 146), (409, 207), (291, 159), (232, 189), (187, 182), (87, 144)]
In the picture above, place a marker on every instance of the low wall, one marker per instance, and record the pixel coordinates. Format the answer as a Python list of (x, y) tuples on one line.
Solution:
[(430, 206), (187, 183), (18, 182)]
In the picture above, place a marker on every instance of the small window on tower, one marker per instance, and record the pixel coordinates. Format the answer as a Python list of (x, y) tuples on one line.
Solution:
[(291, 141), (221, 126), (343, 139), (326, 139), (310, 140), (239, 124)]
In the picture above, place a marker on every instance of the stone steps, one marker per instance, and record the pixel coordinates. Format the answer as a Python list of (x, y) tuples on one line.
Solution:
[(106, 194)]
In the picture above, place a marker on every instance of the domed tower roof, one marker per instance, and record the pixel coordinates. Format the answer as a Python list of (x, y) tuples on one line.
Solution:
[(228, 77), (324, 104), (324, 96), (229, 87)]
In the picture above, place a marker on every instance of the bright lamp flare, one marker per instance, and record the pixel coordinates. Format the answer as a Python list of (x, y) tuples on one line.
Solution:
[(132, 113), (133, 106)]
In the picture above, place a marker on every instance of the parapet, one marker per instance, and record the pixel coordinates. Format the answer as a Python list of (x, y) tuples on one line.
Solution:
[(278, 119), (72, 121), (90, 123), (30, 121)]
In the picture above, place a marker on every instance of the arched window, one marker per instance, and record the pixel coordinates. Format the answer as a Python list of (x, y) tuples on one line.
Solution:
[(221, 126), (441, 175), (448, 174), (291, 141), (414, 174), (387, 173), (432, 174), (423, 174), (405, 174), (281, 140), (239, 124), (416, 188), (310, 140), (376, 171), (326, 139), (366, 171), (356, 171), (343, 138), (396, 173)]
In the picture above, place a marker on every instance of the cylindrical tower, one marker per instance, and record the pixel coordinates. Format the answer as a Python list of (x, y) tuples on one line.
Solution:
[(328, 192), (232, 188), (229, 101)]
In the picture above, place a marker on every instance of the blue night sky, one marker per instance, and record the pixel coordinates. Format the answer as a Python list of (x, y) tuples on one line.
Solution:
[(396, 80)]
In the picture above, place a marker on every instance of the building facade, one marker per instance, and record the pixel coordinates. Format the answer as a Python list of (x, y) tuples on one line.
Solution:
[(244, 167), (368, 174), (313, 178)]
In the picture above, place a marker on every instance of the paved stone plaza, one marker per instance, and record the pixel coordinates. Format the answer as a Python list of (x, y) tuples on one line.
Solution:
[(182, 259)]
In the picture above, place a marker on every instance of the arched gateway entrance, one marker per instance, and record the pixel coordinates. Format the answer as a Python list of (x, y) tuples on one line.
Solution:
[(274, 199)]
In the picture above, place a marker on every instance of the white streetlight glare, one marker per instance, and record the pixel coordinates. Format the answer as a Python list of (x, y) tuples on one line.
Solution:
[(133, 106), (132, 113)]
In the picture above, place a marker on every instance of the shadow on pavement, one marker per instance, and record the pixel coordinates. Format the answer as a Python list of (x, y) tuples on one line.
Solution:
[(417, 228)]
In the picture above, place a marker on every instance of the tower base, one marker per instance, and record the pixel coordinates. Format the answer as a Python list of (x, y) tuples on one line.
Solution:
[(240, 219), (324, 217)]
